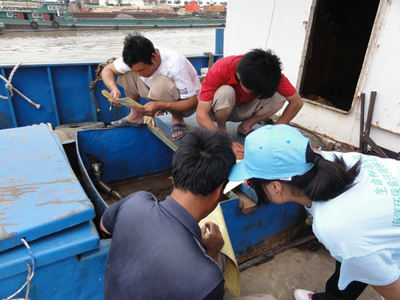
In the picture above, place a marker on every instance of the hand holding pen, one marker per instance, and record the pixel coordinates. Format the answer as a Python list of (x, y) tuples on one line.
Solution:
[(115, 94), (212, 239)]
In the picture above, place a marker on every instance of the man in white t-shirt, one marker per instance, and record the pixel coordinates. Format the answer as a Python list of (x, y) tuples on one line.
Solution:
[(164, 77)]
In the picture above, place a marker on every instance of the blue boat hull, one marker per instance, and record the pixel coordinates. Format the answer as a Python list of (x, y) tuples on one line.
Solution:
[(75, 271), (62, 91), (137, 153), (76, 277)]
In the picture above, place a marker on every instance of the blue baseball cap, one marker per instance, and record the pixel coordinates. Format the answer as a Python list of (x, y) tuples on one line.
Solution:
[(273, 152)]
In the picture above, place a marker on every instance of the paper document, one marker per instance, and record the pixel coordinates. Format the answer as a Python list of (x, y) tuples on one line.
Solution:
[(232, 274), (128, 102)]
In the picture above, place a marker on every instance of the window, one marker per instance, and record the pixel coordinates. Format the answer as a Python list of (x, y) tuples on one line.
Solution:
[(335, 54), (37, 16)]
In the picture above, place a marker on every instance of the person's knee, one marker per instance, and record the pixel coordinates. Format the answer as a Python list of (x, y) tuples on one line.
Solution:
[(127, 82), (163, 89), (224, 97), (226, 91), (272, 109), (279, 106)]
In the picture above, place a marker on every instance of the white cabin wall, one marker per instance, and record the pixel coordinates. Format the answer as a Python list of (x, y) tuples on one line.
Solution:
[(249, 26), (380, 73), (383, 71)]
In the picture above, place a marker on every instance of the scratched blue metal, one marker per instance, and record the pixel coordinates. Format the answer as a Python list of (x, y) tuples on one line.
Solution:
[(39, 193), (250, 231), (219, 41), (137, 157), (75, 277), (69, 242), (124, 153), (62, 90)]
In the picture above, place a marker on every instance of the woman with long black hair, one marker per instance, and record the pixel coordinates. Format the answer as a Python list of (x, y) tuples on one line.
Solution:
[(354, 200)]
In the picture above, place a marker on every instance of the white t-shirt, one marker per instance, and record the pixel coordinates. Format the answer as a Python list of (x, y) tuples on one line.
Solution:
[(361, 227), (176, 67)]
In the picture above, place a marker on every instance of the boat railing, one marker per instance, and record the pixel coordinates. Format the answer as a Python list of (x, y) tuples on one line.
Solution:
[(59, 93)]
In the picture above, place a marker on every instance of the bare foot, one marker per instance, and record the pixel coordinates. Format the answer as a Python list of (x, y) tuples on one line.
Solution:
[(136, 120), (244, 130), (135, 117)]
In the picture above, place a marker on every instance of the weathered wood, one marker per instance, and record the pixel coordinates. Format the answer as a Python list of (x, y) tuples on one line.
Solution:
[(163, 137), (362, 111)]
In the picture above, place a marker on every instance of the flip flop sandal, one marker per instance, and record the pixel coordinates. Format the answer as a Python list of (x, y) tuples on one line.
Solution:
[(178, 128), (124, 123)]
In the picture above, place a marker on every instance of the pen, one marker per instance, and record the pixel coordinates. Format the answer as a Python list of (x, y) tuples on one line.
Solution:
[(208, 231), (114, 94)]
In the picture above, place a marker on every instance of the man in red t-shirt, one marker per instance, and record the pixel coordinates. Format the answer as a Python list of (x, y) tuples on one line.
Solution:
[(248, 89)]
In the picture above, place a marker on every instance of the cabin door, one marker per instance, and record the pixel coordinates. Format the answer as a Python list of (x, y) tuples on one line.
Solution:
[(338, 42)]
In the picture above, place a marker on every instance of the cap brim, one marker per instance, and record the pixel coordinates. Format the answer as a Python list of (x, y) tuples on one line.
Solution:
[(239, 172), (231, 185)]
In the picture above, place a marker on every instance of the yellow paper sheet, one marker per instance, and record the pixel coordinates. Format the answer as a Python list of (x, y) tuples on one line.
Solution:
[(128, 102), (232, 274)]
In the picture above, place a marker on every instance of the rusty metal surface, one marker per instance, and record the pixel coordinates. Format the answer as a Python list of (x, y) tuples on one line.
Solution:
[(270, 243)]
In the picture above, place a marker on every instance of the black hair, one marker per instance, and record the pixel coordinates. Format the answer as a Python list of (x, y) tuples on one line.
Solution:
[(137, 49), (261, 72), (324, 181), (202, 161)]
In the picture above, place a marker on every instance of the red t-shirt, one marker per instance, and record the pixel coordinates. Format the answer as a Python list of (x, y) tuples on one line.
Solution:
[(223, 73)]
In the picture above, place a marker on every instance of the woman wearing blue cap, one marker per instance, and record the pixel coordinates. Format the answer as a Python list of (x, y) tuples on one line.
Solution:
[(354, 200)]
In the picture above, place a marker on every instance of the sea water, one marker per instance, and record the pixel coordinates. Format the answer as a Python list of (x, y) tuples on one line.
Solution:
[(96, 45)]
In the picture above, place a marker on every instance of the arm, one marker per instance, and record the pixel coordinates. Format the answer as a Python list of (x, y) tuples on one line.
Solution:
[(212, 240), (108, 75), (204, 120), (203, 115), (389, 292), (291, 110), (102, 226), (152, 107), (110, 216)]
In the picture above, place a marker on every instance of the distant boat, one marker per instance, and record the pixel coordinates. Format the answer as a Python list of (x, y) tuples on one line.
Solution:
[(57, 16)]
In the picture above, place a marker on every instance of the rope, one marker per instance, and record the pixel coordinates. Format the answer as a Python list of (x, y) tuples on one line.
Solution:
[(10, 87), (31, 272), (93, 84)]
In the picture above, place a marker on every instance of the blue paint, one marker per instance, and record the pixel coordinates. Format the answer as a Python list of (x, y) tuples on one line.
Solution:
[(249, 231), (43, 202), (142, 154), (124, 153), (38, 191), (219, 41), (69, 242), (75, 277), (62, 90)]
